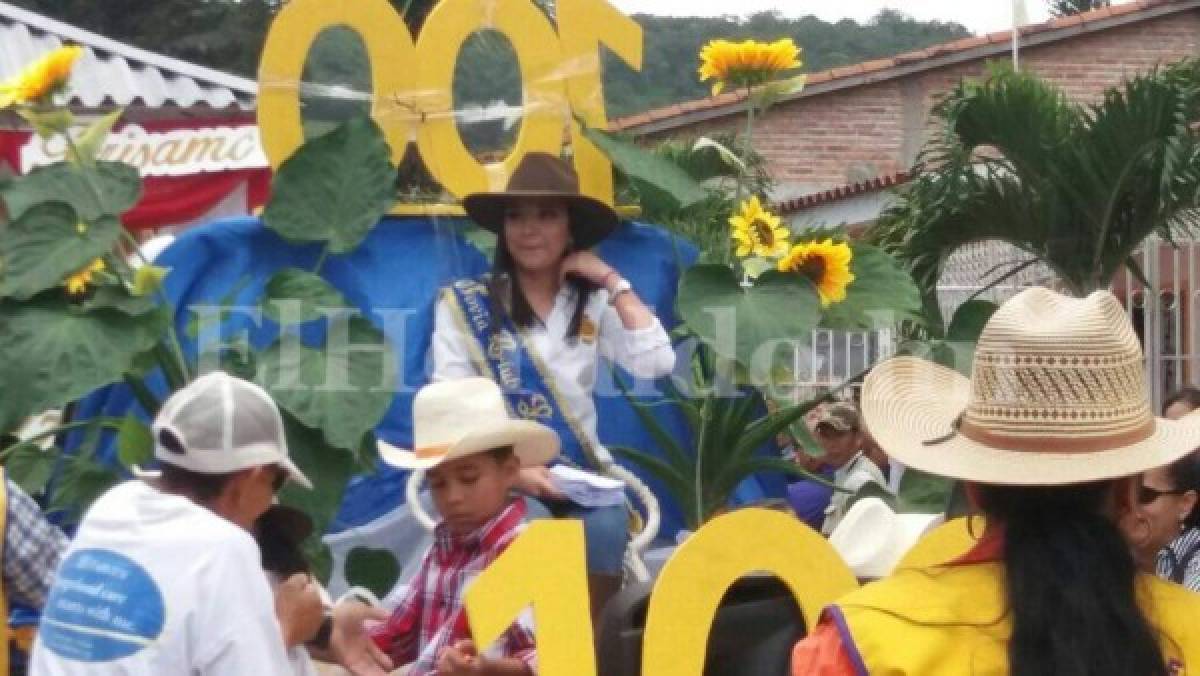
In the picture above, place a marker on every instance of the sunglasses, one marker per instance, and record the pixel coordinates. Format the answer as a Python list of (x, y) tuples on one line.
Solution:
[(1147, 495)]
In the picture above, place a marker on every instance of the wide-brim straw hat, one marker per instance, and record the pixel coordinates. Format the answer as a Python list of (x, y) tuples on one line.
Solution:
[(1057, 396), (541, 175), (457, 418), (872, 538)]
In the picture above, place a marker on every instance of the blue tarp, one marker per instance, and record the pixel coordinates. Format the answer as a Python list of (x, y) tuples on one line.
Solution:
[(398, 269)]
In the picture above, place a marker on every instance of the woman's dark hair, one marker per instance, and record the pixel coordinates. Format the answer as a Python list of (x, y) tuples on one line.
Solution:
[(507, 298), (1070, 580), (1188, 395), (1185, 476)]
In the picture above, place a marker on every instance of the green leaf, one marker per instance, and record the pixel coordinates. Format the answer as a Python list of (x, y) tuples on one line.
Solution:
[(957, 351), (643, 164), (135, 443), (294, 296), (738, 322), (327, 467), (30, 467), (92, 139), (969, 320), (771, 93), (882, 294), (335, 188), (108, 188), (120, 299), (53, 353), (148, 279), (83, 480), (680, 485), (48, 123), (340, 389), (373, 569), (923, 493), (44, 246)]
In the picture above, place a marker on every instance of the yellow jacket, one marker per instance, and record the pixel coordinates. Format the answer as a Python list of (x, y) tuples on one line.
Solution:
[(952, 620)]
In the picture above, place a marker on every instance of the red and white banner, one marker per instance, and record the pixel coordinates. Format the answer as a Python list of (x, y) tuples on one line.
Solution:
[(188, 167)]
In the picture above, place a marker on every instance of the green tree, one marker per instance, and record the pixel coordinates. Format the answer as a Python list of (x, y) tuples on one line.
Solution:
[(1069, 7), (1078, 187)]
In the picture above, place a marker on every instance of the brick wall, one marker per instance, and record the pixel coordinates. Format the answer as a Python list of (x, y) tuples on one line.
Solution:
[(852, 134)]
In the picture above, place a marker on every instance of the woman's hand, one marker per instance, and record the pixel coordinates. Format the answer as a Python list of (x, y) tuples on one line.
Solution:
[(587, 265), (536, 482)]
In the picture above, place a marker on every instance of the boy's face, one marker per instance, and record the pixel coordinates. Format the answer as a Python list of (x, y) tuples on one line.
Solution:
[(468, 492)]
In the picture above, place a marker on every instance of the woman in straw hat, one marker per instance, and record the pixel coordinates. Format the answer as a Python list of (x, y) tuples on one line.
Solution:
[(538, 325), (1051, 434)]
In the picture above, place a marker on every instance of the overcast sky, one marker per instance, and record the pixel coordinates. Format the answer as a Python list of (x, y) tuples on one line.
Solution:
[(980, 16)]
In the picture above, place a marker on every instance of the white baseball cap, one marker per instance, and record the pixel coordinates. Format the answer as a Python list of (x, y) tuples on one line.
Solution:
[(220, 424)]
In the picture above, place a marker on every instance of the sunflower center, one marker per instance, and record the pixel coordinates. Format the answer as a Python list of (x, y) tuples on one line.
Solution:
[(763, 233), (813, 267)]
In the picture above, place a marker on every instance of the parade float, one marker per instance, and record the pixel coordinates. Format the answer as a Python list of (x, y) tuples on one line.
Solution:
[(326, 300)]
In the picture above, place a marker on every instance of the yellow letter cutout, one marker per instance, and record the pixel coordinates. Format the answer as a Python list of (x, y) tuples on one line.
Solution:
[(545, 567), (412, 85), (697, 576)]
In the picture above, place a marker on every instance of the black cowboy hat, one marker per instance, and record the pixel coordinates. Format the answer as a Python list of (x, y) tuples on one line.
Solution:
[(544, 175)]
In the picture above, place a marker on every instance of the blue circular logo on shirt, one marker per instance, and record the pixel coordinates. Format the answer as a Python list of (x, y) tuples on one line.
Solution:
[(103, 606)]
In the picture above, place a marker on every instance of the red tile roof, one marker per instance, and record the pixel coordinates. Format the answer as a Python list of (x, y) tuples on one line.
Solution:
[(1126, 12), (842, 192)]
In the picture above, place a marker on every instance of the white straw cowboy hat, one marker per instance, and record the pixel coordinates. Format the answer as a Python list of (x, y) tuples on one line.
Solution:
[(872, 538), (457, 418), (1057, 396)]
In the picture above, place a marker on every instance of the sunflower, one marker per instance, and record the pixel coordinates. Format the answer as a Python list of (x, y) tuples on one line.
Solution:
[(41, 78), (77, 283), (758, 232), (746, 64), (826, 263)]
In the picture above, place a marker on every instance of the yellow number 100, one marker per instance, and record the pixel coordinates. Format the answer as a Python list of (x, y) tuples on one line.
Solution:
[(413, 83)]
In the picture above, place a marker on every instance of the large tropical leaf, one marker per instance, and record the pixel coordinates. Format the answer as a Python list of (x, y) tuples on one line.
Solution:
[(52, 352), (104, 189), (746, 323), (296, 296), (645, 165), (48, 243), (335, 188), (328, 467), (342, 389)]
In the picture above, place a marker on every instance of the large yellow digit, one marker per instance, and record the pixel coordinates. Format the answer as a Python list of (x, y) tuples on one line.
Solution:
[(583, 25), (691, 585), (389, 48), (544, 567), (536, 45)]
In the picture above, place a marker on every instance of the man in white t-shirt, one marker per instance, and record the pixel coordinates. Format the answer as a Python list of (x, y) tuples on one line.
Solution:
[(163, 576), (839, 431)]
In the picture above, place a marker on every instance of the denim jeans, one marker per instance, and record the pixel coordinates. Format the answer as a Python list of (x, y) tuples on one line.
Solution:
[(605, 531)]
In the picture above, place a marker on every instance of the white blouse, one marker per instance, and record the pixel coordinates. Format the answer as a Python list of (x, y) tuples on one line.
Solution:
[(645, 353)]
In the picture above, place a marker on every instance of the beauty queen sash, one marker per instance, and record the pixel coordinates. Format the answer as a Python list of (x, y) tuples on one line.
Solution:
[(504, 356)]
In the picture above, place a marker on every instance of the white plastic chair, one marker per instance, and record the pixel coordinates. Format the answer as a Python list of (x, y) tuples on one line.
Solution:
[(635, 566)]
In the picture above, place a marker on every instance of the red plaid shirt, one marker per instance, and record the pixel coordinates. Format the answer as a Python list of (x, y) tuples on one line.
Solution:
[(431, 616)]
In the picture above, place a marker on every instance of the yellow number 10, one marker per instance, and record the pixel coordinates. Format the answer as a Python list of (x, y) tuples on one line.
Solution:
[(412, 84), (545, 568)]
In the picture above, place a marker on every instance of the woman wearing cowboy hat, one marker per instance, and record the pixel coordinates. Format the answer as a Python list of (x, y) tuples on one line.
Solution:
[(539, 323), (1051, 434)]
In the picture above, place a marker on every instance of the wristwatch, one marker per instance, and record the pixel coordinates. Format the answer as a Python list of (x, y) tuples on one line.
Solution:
[(621, 286)]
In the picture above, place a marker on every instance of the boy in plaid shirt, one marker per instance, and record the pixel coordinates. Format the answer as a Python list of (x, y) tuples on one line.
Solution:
[(472, 453)]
